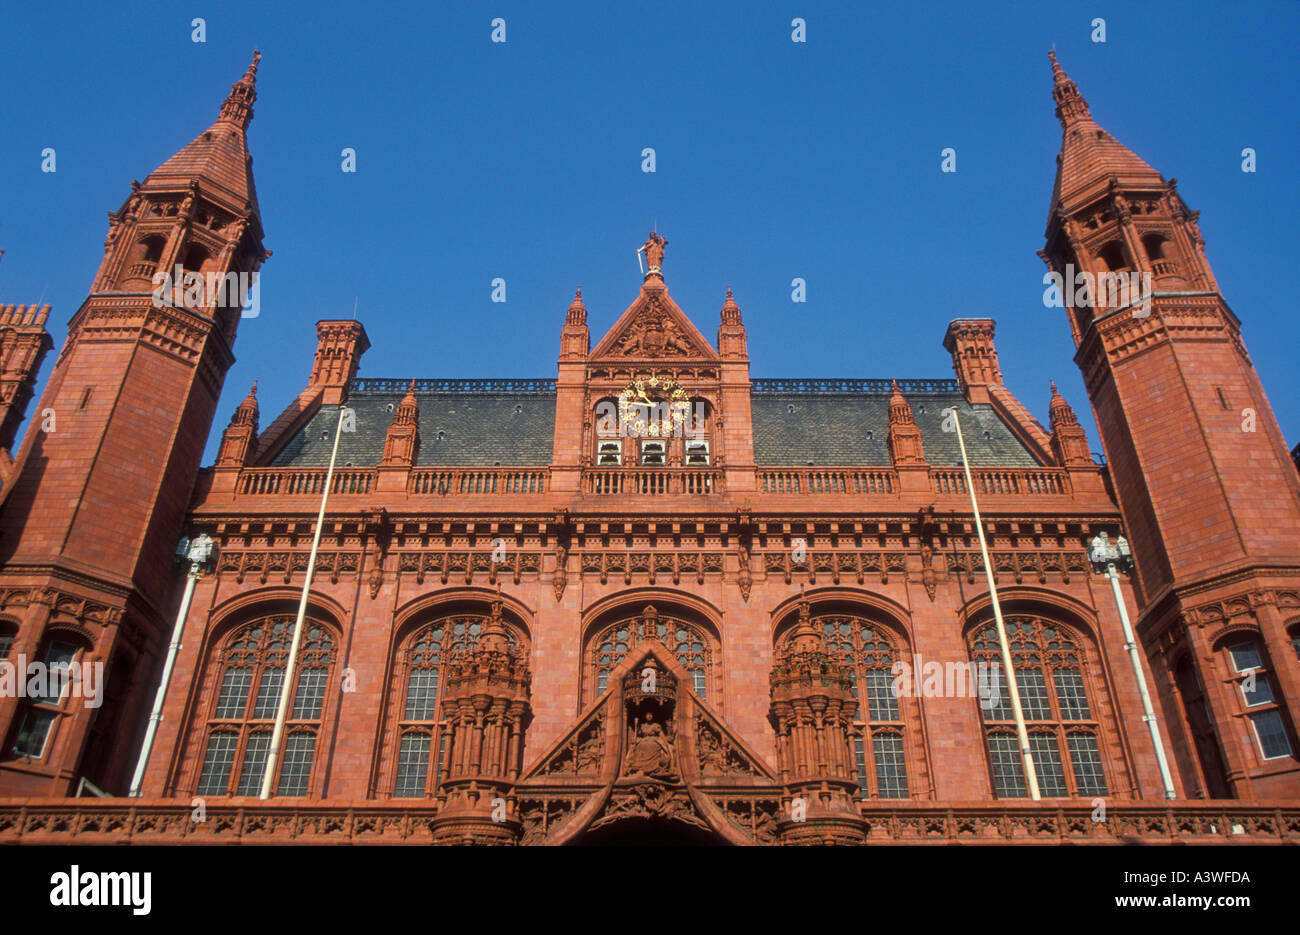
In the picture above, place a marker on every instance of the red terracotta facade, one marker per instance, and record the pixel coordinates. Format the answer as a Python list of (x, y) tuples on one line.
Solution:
[(681, 634)]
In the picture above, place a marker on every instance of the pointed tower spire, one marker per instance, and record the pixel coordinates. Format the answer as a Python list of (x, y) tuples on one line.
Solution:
[(1070, 105), (905, 447), (1069, 440), (239, 440), (248, 410), (1090, 159), (402, 443), (218, 158), (732, 338), (238, 108), (575, 339)]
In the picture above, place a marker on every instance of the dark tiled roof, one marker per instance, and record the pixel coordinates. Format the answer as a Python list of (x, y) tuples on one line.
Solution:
[(830, 428), (459, 428), (512, 422)]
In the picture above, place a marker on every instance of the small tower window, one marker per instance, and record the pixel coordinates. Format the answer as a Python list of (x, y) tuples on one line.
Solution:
[(153, 248), (1155, 247), (609, 454), (1113, 256), (653, 453), (195, 257), (697, 453)]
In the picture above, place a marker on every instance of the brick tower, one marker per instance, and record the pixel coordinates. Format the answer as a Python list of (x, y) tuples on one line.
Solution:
[(1201, 471), (100, 488)]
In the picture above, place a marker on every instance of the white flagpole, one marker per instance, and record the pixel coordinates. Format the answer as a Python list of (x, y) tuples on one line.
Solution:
[(282, 713), (178, 629), (1028, 758)]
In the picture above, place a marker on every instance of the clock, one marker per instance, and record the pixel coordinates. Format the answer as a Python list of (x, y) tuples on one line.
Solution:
[(653, 406)]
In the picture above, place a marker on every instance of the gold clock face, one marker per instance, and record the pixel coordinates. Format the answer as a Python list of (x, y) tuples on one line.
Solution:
[(653, 406)]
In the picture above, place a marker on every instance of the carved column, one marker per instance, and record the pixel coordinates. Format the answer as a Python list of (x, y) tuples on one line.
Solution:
[(486, 704), (812, 711)]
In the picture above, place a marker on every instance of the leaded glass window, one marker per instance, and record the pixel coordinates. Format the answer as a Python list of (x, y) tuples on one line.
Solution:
[(684, 639), (1053, 686), (419, 724), (868, 651), (250, 669)]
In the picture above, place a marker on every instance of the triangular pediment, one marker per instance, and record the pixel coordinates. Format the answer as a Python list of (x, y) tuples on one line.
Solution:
[(654, 328), (648, 749)]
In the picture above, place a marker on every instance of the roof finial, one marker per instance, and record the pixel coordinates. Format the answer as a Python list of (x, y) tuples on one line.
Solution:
[(238, 107), (1070, 105)]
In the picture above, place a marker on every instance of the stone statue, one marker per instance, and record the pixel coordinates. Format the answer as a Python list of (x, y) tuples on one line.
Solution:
[(654, 250), (651, 752)]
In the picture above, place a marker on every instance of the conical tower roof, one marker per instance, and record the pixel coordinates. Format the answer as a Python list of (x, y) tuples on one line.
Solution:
[(1089, 155), (218, 158)]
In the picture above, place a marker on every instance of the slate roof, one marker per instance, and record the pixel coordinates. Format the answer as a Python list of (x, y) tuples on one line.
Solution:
[(497, 422), (795, 428), (456, 429)]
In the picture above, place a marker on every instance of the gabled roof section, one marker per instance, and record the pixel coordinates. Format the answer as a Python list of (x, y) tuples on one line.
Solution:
[(1089, 155), (654, 327)]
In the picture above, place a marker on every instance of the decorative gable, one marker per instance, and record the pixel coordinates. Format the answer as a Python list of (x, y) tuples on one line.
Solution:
[(654, 328)]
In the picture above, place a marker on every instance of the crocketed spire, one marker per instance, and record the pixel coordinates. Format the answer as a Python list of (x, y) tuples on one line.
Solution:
[(1061, 412), (1090, 157), (238, 107), (247, 412), (218, 157), (1070, 105)]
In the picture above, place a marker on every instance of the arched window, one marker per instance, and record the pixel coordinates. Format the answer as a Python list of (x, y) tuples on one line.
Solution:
[(57, 678), (1258, 696), (145, 257), (195, 257), (1113, 256), (868, 650), (250, 674), (419, 722), (1154, 244), (1063, 729), (685, 640)]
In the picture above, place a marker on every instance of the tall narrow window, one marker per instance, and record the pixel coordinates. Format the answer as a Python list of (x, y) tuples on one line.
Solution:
[(1264, 710), (685, 640), (1063, 730), (40, 711), (250, 677), (869, 653), (420, 726)]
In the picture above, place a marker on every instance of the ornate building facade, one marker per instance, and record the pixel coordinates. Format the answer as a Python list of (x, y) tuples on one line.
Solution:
[(653, 598)]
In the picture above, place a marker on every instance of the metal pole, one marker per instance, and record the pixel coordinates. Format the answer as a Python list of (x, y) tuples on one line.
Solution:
[(282, 713), (1031, 775), (1148, 713), (155, 718)]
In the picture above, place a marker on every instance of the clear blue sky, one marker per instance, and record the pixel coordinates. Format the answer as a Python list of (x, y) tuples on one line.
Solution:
[(775, 160)]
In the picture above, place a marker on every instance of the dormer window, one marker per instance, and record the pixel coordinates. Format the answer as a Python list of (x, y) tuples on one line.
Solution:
[(609, 454), (653, 453), (697, 453)]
